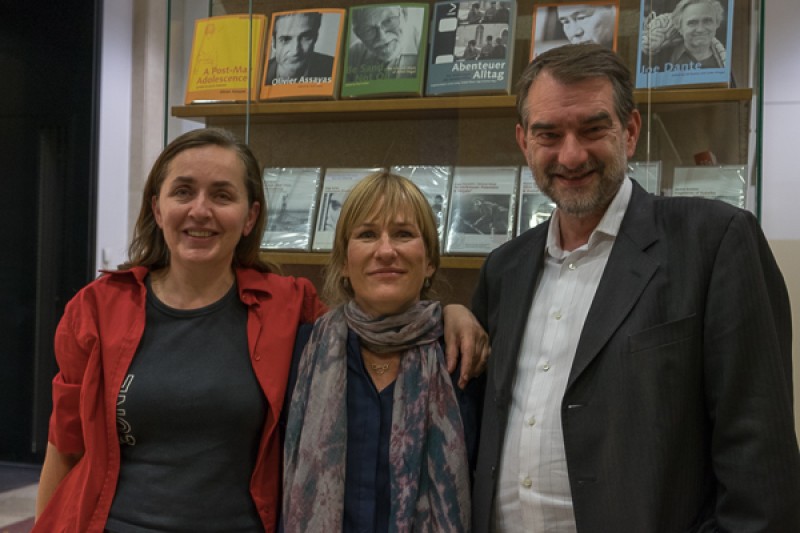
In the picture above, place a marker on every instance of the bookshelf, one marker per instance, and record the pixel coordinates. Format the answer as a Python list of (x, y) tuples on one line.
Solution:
[(479, 130)]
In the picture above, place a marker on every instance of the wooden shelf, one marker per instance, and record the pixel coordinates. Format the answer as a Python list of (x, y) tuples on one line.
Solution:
[(416, 108), (321, 259), (314, 111)]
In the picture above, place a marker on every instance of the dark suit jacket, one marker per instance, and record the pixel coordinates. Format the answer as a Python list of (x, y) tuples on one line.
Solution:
[(678, 410)]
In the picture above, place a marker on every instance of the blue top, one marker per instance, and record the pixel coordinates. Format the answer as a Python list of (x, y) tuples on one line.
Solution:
[(367, 502)]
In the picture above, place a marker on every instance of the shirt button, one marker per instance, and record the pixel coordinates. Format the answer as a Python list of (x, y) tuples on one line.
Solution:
[(527, 483), (572, 266), (557, 315), (531, 421), (546, 367)]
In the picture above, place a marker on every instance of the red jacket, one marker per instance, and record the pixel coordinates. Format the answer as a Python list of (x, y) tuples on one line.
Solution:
[(95, 343)]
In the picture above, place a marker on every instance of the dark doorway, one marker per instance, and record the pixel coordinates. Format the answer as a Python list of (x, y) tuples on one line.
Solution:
[(48, 63)]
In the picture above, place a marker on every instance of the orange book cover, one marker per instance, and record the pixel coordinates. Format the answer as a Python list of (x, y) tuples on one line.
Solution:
[(303, 55), (222, 65)]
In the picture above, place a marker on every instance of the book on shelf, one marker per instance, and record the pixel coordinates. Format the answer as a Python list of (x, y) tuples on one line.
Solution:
[(385, 50), (723, 182), (291, 195), (303, 54), (647, 174), (535, 206), (471, 50), (434, 182), (482, 205), (225, 58), (586, 21), (336, 185), (686, 47)]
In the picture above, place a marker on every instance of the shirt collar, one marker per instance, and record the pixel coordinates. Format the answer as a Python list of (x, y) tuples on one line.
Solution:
[(608, 227)]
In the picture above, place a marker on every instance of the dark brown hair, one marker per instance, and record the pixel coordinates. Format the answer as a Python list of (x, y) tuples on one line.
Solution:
[(573, 63)]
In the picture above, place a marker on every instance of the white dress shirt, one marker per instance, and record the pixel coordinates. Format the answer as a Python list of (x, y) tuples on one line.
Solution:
[(533, 491)]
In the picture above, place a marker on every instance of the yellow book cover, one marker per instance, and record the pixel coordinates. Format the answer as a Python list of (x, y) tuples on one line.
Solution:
[(303, 54), (222, 63)]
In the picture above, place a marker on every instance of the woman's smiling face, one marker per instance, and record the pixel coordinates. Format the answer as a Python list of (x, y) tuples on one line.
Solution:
[(203, 207), (387, 263)]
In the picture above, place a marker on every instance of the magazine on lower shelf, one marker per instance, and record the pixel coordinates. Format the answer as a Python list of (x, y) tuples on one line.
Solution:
[(291, 204), (722, 182), (336, 185), (434, 182), (685, 45), (482, 205), (471, 50), (535, 206)]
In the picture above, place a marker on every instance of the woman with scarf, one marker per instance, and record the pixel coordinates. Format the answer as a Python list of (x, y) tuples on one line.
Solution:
[(377, 437), (173, 369)]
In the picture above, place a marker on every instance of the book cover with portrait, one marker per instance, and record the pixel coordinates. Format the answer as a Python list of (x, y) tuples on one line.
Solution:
[(303, 54), (225, 58), (434, 182), (471, 47), (687, 43), (588, 21), (385, 50), (482, 205), (535, 206), (291, 195), (336, 185)]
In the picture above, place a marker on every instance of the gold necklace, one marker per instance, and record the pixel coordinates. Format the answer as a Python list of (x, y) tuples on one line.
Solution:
[(379, 369)]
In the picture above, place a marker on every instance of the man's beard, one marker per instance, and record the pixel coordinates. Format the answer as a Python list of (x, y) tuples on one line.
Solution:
[(590, 199)]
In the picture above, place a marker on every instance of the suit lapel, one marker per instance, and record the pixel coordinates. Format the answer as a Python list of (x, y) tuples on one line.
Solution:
[(627, 273), (518, 285)]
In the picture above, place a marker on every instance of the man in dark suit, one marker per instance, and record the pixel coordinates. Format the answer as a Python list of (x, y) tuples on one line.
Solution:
[(295, 61), (640, 378)]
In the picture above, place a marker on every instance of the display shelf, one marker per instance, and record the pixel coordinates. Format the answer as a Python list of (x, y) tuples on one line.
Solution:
[(678, 122), (416, 108)]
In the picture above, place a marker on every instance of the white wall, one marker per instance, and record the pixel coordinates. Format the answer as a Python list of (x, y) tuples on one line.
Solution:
[(781, 185), (114, 133), (780, 200), (148, 107)]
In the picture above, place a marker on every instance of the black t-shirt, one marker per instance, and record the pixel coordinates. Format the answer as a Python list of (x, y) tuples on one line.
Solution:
[(189, 418)]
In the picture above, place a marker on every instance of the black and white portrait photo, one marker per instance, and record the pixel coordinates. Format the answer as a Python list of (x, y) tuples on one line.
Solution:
[(686, 34), (584, 22), (384, 42), (302, 47)]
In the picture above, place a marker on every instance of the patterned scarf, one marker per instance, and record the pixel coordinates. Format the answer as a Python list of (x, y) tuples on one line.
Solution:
[(427, 453)]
